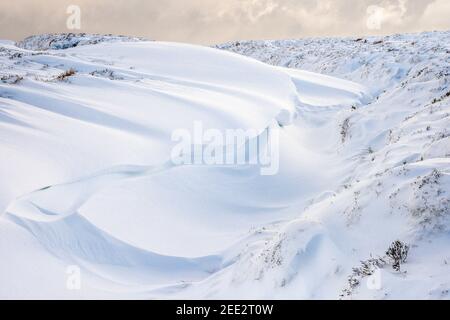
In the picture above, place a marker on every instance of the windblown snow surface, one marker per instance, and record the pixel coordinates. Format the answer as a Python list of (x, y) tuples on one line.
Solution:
[(87, 181)]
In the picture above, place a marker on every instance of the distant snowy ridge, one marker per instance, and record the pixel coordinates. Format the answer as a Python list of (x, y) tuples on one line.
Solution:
[(59, 41), (378, 62)]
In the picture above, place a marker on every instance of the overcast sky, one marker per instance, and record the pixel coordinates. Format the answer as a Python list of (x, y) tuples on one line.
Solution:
[(216, 21)]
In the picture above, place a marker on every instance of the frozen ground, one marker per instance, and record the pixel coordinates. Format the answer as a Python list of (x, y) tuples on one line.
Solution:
[(86, 178)]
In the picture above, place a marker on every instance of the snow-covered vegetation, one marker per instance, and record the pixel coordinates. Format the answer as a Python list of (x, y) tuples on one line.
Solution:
[(360, 207), (396, 147), (68, 40)]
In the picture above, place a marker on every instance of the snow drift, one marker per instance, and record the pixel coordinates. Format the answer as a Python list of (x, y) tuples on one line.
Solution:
[(87, 179)]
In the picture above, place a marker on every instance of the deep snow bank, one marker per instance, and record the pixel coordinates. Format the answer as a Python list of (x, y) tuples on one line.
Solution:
[(85, 164)]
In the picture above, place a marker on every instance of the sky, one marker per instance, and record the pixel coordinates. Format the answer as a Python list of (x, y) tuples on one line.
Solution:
[(214, 21)]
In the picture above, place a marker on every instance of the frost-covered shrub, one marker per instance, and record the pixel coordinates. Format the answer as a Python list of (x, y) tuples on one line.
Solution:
[(398, 254), (443, 97), (11, 79), (106, 73), (366, 269), (345, 128), (66, 74), (431, 204)]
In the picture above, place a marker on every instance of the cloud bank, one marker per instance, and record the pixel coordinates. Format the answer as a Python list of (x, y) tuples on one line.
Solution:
[(213, 21)]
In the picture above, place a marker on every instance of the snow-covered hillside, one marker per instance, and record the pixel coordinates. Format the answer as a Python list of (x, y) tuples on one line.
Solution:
[(87, 179), (69, 40), (397, 148)]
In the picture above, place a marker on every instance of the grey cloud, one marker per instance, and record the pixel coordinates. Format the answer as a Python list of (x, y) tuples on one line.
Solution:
[(213, 21)]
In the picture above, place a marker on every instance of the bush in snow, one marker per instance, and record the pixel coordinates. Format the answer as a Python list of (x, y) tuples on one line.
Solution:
[(397, 253), (106, 73), (345, 127), (66, 74), (366, 269), (443, 97), (11, 79)]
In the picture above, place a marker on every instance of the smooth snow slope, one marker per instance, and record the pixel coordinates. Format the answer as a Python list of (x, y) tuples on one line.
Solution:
[(86, 176)]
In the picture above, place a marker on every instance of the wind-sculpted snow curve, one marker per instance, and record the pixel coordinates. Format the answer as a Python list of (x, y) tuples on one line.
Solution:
[(77, 241), (142, 223), (52, 215)]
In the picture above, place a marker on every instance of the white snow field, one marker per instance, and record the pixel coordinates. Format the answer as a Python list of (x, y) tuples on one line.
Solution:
[(87, 181)]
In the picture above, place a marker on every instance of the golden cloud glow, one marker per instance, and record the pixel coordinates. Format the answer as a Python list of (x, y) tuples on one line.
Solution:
[(213, 21)]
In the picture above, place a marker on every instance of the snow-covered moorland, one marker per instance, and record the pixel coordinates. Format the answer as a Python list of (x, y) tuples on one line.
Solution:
[(393, 160), (359, 208)]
